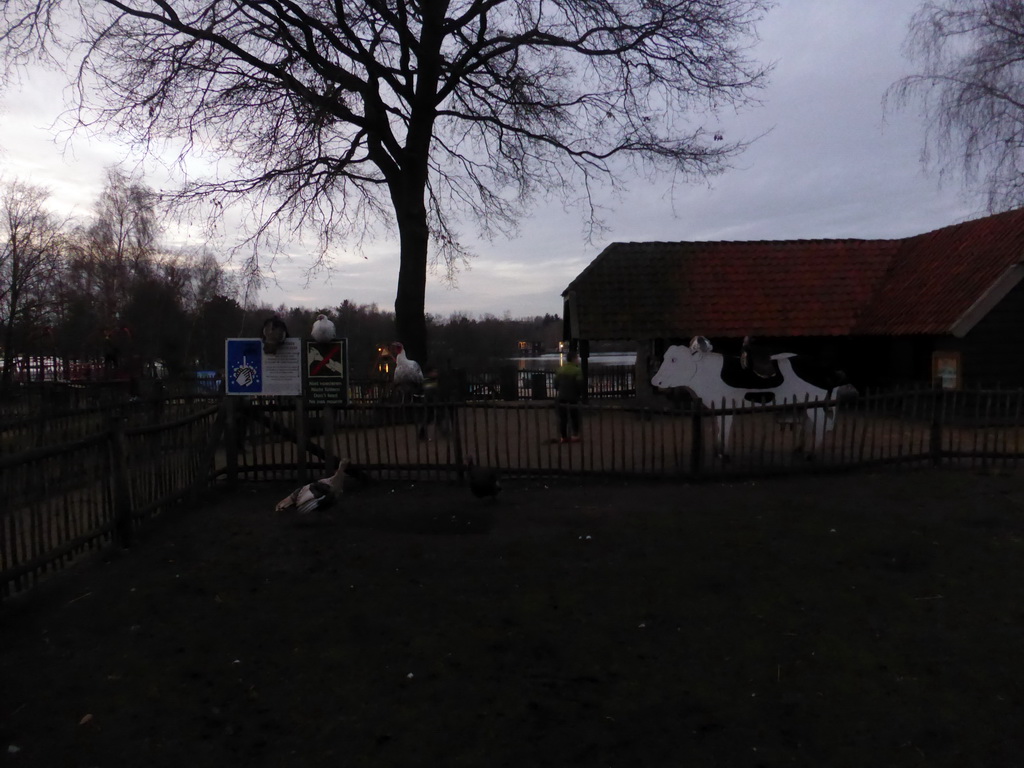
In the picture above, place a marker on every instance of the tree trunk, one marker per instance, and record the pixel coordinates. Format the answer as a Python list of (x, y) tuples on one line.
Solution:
[(409, 187), (5, 377), (410, 301), (12, 315)]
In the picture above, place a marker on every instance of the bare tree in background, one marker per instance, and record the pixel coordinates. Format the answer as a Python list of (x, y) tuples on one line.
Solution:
[(121, 240), (108, 257), (417, 114), (971, 88), (30, 248), (196, 278)]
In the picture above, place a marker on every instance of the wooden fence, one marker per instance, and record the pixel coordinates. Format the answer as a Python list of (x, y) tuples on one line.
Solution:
[(61, 423), (63, 501), (610, 381), (510, 384), (69, 487), (923, 427)]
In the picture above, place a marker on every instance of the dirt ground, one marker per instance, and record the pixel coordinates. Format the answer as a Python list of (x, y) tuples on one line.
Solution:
[(859, 620)]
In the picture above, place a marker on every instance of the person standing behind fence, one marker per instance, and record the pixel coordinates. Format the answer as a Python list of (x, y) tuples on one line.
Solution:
[(569, 391), (431, 395)]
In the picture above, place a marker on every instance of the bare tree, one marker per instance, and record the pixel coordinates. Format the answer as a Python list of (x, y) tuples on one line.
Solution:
[(117, 246), (125, 226), (121, 238), (971, 88), (196, 277), (30, 246), (416, 114), (205, 278)]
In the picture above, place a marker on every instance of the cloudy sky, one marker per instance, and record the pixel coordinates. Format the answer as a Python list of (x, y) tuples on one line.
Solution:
[(830, 164)]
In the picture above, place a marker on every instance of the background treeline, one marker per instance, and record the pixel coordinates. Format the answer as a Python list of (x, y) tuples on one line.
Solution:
[(104, 291), (457, 341)]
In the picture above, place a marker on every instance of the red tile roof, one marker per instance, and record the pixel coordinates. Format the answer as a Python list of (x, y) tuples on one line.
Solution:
[(918, 285)]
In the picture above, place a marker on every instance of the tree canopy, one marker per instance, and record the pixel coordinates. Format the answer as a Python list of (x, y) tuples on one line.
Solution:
[(420, 115), (103, 299), (970, 84), (30, 245)]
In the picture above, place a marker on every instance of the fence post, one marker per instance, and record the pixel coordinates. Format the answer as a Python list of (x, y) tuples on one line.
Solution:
[(696, 441), (121, 491), (935, 436), (508, 383), (231, 439), (456, 432), (302, 435), (538, 386), (208, 460), (330, 444)]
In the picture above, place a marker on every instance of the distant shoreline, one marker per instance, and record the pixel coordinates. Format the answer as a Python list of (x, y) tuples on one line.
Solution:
[(554, 359)]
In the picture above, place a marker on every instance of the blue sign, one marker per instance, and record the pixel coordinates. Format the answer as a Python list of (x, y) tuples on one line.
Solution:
[(243, 366), (249, 370)]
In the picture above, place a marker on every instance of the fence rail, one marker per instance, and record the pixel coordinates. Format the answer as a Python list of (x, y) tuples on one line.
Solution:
[(509, 384), (63, 501), (75, 484), (64, 424), (622, 438)]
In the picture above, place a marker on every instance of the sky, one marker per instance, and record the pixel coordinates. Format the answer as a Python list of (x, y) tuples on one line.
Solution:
[(830, 162)]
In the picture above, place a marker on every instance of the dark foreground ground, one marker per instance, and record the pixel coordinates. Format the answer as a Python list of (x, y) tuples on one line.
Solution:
[(865, 620)]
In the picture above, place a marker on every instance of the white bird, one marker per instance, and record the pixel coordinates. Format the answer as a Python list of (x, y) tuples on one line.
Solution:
[(316, 496), (274, 333), (323, 329), (408, 374)]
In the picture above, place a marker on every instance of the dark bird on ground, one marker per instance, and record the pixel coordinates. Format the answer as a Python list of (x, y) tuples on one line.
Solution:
[(316, 496), (274, 333), (323, 329), (483, 481), (358, 473)]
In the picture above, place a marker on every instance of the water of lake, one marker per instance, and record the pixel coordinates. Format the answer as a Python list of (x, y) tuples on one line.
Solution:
[(550, 362)]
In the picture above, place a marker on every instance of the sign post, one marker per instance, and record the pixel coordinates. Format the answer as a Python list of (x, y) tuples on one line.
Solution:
[(314, 373), (326, 385)]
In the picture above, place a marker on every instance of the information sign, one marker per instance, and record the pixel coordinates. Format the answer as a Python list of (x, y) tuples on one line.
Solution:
[(251, 371), (327, 372)]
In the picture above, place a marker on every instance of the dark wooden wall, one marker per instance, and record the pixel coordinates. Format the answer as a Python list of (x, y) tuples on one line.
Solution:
[(993, 351)]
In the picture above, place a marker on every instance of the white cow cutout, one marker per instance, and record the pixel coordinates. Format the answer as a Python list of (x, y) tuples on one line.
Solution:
[(711, 378)]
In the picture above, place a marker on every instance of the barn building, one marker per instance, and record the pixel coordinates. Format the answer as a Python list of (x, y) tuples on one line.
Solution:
[(945, 307)]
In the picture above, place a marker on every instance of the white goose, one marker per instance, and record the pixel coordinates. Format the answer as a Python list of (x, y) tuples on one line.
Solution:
[(408, 374), (323, 329), (316, 496)]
